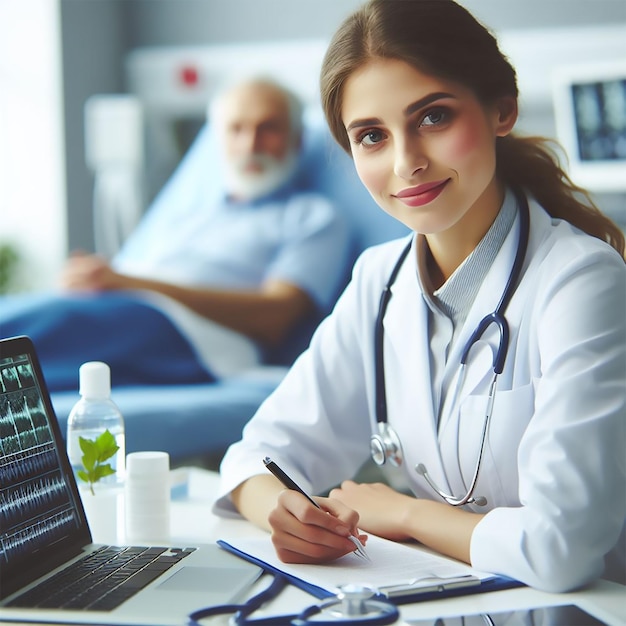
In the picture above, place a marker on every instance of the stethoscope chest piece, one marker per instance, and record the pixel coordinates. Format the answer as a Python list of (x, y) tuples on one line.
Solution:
[(385, 446), (354, 604)]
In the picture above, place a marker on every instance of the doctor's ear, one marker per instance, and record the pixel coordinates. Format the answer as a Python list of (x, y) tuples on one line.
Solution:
[(506, 115)]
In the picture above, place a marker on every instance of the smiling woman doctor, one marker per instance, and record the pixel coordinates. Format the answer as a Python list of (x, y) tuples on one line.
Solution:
[(511, 271)]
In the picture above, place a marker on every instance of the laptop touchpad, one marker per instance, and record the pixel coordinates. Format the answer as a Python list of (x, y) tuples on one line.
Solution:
[(213, 579)]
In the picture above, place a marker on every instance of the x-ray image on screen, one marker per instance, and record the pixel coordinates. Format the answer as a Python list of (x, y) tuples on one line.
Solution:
[(600, 112)]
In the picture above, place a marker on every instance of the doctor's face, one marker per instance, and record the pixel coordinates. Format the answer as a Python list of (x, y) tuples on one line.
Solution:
[(424, 147)]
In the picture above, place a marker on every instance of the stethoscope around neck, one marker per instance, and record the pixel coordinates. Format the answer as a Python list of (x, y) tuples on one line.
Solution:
[(385, 444)]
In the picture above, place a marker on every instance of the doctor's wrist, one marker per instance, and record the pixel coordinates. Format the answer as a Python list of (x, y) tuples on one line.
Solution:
[(441, 527)]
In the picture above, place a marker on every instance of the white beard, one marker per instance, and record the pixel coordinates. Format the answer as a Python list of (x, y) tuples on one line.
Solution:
[(244, 184)]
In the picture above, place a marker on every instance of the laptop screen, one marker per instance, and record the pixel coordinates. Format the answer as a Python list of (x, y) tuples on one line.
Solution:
[(42, 522)]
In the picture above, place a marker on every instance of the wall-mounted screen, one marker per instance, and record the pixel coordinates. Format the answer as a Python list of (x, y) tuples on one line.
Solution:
[(590, 115)]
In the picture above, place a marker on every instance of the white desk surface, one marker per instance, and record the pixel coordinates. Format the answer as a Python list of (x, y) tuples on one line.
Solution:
[(193, 520)]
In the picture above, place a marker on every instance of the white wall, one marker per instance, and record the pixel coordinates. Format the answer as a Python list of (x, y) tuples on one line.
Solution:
[(97, 33), (153, 74), (36, 166), (32, 187)]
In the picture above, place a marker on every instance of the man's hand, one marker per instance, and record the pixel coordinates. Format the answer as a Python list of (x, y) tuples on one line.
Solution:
[(266, 314), (89, 272)]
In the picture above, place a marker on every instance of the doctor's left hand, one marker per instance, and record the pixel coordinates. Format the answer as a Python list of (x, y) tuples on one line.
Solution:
[(375, 502), (302, 533)]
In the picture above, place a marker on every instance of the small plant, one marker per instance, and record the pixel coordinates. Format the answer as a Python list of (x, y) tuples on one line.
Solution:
[(9, 260), (95, 453)]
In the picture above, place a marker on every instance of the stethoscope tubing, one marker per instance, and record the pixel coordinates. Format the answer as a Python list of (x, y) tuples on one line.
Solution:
[(385, 611), (379, 339), (496, 317), (241, 611)]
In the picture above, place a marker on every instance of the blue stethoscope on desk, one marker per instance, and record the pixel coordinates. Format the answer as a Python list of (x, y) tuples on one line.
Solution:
[(356, 605), (385, 444)]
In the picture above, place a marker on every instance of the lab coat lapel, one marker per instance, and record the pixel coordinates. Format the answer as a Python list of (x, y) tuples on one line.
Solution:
[(409, 389)]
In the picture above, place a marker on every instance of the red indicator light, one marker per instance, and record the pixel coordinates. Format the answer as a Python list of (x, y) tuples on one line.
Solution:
[(189, 76)]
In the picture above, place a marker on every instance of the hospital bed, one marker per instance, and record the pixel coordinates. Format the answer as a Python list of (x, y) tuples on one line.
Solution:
[(199, 421)]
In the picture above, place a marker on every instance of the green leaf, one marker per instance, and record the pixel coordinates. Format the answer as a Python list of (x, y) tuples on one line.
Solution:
[(101, 471), (90, 453), (106, 446), (95, 452)]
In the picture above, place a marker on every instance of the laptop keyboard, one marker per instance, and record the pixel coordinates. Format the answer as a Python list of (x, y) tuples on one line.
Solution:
[(103, 579)]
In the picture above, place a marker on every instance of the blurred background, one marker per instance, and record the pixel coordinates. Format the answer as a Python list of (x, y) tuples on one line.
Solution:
[(87, 82)]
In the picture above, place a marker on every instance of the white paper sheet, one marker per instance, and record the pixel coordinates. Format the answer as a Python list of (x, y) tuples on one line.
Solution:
[(391, 563)]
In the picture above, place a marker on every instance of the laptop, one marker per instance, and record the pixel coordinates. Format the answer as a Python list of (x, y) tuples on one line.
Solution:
[(44, 531)]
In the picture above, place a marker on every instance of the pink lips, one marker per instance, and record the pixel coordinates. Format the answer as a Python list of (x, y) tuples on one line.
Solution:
[(422, 194)]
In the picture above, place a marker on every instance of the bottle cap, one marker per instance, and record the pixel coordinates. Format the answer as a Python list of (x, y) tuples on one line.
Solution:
[(147, 463), (94, 380)]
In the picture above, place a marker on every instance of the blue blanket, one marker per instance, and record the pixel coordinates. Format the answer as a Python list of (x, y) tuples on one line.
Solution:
[(138, 341)]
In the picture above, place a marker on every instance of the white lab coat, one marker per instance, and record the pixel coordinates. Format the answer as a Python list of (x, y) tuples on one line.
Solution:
[(554, 470)]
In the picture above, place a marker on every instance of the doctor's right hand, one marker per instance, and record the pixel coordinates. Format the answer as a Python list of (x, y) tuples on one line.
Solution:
[(302, 533)]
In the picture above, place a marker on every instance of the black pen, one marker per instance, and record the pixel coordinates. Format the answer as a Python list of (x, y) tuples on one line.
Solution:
[(290, 484)]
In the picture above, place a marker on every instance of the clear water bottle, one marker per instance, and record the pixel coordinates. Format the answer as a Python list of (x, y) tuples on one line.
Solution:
[(91, 416)]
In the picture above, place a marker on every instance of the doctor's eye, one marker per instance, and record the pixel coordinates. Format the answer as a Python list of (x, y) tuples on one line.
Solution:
[(436, 117), (369, 138)]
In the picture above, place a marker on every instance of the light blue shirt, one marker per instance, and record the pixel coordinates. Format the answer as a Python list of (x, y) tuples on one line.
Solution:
[(290, 235)]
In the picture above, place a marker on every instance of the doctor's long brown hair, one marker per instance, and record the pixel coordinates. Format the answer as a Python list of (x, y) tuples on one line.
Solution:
[(441, 38)]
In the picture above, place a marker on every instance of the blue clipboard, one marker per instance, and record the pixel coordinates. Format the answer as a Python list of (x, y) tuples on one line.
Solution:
[(440, 590)]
